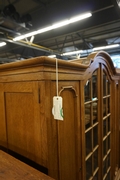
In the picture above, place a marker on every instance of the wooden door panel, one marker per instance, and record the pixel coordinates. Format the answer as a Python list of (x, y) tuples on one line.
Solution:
[(68, 132), (26, 125), (20, 123), (66, 138)]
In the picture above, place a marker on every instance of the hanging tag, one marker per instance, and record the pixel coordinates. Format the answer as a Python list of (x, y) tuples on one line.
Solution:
[(57, 108)]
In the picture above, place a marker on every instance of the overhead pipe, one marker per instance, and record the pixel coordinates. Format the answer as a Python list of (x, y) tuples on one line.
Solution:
[(28, 44)]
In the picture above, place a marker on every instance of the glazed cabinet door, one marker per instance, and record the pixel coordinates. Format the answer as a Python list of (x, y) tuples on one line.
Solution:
[(98, 126), (68, 133), (26, 132)]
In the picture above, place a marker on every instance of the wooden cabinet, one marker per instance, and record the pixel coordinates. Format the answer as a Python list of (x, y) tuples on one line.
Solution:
[(83, 145)]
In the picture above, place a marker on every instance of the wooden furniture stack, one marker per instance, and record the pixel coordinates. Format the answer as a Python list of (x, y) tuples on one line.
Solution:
[(85, 145)]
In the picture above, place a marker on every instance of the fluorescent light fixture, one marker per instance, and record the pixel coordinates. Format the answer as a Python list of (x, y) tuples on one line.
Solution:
[(80, 17), (52, 56), (90, 50), (71, 53), (54, 26), (118, 2), (105, 47), (2, 44)]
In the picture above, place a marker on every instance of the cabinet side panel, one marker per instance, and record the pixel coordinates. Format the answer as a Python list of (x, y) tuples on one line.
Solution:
[(3, 135), (66, 138)]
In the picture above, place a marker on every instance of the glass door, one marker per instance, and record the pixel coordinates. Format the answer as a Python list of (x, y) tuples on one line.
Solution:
[(91, 128), (97, 127), (106, 134)]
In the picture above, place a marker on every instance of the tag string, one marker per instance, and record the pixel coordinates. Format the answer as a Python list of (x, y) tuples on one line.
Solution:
[(57, 76)]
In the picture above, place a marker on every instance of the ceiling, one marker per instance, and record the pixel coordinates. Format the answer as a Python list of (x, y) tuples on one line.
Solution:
[(23, 16)]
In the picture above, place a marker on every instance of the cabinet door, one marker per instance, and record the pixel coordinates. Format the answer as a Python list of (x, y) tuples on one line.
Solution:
[(24, 123), (68, 132), (98, 126)]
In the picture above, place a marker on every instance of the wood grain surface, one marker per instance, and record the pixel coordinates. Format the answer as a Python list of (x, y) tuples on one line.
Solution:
[(13, 169)]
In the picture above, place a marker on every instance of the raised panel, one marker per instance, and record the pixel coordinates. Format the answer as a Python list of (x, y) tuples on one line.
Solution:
[(66, 138), (20, 123), (25, 120), (68, 134)]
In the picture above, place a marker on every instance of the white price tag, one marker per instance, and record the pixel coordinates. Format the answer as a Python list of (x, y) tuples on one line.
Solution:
[(57, 110)]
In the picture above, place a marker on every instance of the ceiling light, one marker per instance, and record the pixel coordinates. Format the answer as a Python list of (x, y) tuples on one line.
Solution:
[(90, 50), (52, 56), (80, 17), (2, 44), (71, 53), (54, 26), (118, 2), (105, 47)]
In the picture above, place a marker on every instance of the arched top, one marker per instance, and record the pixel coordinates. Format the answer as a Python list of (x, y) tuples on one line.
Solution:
[(96, 58), (100, 56), (105, 59)]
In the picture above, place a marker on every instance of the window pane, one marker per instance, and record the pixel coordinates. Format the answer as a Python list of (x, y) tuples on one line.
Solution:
[(95, 136), (88, 137), (87, 115), (104, 167), (95, 159), (108, 124), (94, 85), (108, 142), (108, 160), (104, 127), (87, 91), (96, 176), (104, 107), (94, 106), (108, 87), (108, 105), (108, 176), (88, 168), (104, 84), (104, 148)]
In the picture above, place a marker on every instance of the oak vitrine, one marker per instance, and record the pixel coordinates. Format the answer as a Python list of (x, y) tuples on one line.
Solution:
[(82, 146)]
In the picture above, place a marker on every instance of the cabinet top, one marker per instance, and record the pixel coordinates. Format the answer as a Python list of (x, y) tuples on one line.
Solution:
[(45, 61), (48, 65)]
